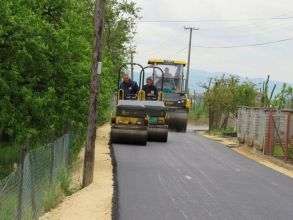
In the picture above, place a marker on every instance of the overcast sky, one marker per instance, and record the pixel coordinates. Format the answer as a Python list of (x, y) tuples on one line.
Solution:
[(221, 23)]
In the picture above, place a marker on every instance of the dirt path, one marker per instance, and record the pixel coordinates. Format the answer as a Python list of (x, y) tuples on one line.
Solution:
[(95, 201)]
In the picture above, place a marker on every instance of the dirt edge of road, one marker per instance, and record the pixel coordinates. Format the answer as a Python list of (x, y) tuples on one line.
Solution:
[(115, 197), (95, 201), (268, 161)]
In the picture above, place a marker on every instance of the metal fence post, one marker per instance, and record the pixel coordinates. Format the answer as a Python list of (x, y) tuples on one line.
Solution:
[(33, 202), (69, 147), (20, 189), (63, 146), (52, 162)]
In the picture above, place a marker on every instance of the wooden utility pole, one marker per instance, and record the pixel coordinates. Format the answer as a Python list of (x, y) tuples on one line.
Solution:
[(89, 156), (189, 53), (132, 52), (194, 103)]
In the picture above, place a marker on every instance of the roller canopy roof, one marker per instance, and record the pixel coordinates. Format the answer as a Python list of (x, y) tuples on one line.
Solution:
[(167, 62)]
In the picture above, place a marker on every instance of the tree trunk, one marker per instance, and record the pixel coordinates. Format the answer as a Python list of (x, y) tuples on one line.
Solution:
[(225, 121), (211, 119)]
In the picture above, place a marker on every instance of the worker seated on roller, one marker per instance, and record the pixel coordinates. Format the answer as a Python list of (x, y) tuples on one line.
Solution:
[(129, 87), (151, 91)]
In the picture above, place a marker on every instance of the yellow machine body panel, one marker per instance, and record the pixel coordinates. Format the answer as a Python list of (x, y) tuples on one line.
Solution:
[(188, 104), (129, 120)]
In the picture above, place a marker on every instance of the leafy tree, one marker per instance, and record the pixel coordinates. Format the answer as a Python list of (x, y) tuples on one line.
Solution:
[(45, 62), (284, 98), (223, 96)]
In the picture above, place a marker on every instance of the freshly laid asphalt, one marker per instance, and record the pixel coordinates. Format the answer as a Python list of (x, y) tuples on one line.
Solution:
[(191, 177)]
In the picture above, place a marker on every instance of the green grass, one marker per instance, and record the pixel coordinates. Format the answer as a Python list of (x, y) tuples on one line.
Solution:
[(278, 151), (9, 155), (221, 132), (216, 132), (65, 181), (52, 198), (77, 142), (8, 207), (199, 116)]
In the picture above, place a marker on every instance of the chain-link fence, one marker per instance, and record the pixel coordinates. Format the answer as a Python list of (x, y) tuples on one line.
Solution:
[(30, 189)]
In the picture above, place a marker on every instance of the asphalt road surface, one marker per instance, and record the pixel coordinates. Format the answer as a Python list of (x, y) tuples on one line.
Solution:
[(191, 177)]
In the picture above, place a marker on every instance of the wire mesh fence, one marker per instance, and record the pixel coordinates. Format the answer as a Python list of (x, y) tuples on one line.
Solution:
[(26, 193)]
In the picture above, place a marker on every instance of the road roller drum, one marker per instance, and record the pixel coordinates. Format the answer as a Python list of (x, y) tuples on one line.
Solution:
[(157, 121), (158, 133), (129, 135), (177, 120), (129, 126)]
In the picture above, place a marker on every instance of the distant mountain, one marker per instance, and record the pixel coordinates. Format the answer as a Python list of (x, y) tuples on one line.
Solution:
[(201, 76)]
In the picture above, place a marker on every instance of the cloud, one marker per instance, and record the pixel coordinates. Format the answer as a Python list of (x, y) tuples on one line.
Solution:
[(165, 39)]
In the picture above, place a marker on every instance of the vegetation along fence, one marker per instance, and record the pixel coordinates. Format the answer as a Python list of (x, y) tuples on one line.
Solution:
[(32, 187), (267, 130)]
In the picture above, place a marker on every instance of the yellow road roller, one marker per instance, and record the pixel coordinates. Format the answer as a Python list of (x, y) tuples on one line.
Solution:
[(156, 112), (157, 121), (175, 92), (129, 126)]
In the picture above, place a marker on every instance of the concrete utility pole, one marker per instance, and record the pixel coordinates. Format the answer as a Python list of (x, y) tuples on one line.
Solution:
[(89, 157), (189, 53)]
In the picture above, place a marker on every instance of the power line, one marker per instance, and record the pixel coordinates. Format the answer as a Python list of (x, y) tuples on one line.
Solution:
[(284, 18), (287, 13), (244, 45), (214, 20), (254, 23), (179, 51)]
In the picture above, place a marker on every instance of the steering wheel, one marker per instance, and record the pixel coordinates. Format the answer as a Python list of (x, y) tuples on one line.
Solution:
[(130, 97), (151, 98)]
